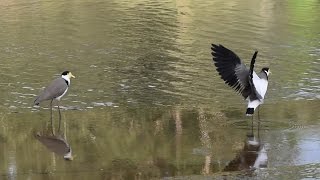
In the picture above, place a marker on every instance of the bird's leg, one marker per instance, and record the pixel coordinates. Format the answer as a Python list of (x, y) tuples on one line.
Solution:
[(59, 117), (258, 123), (252, 124), (51, 114), (258, 114), (259, 130)]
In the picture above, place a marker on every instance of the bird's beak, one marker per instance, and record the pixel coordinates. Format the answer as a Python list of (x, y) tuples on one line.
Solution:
[(71, 75), (69, 158)]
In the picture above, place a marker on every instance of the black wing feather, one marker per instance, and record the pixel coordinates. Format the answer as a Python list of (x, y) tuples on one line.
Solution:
[(253, 94), (253, 60), (232, 70)]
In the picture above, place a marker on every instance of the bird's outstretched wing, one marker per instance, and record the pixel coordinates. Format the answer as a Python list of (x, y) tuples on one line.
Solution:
[(254, 94), (232, 70)]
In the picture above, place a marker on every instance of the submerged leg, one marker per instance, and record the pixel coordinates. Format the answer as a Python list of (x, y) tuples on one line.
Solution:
[(51, 111), (59, 117), (259, 130), (51, 120), (252, 124), (258, 123)]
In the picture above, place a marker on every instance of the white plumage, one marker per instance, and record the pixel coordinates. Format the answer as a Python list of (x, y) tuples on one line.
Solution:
[(261, 86)]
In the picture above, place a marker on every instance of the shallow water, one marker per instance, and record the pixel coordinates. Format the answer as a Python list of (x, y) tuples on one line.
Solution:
[(146, 102)]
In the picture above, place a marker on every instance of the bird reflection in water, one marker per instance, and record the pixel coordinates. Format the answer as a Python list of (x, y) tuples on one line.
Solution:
[(252, 156), (55, 142)]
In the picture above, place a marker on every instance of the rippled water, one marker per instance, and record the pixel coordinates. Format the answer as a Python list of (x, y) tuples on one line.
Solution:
[(147, 102)]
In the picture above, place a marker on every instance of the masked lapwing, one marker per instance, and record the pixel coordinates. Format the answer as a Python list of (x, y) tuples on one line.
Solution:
[(233, 71), (56, 90)]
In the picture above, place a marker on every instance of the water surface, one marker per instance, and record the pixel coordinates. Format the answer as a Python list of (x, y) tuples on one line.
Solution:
[(146, 102)]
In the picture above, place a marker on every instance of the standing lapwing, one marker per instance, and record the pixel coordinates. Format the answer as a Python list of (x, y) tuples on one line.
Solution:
[(250, 85), (56, 90)]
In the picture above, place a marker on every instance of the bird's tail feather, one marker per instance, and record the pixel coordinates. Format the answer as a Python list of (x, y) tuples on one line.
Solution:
[(250, 111)]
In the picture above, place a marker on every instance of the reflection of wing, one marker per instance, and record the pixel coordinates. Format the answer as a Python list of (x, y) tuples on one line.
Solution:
[(54, 144), (253, 154), (262, 159)]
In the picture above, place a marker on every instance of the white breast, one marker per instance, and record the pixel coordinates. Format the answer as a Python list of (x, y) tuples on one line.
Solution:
[(261, 85), (58, 98)]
